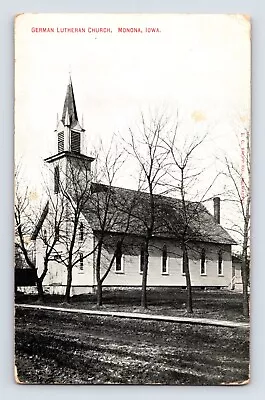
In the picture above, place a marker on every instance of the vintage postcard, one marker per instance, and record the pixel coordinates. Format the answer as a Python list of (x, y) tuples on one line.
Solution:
[(132, 199)]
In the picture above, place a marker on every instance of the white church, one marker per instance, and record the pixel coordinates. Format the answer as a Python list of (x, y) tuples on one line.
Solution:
[(209, 247)]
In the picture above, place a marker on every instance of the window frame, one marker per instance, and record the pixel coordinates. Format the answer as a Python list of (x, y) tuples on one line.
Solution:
[(203, 258), (141, 255), (121, 256), (183, 273), (81, 263), (81, 232), (220, 258), (164, 261), (56, 179)]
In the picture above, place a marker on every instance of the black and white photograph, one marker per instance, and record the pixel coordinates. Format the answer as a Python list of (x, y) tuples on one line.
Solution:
[(132, 203)]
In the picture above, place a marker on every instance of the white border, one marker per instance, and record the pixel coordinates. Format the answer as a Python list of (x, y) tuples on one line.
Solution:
[(256, 8)]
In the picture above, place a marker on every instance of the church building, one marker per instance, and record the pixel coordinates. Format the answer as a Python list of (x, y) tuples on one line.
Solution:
[(209, 245)]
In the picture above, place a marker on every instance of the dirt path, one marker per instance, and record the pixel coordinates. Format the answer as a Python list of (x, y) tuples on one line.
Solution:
[(169, 318)]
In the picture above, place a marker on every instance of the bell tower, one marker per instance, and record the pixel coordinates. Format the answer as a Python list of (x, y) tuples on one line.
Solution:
[(69, 131), (70, 144)]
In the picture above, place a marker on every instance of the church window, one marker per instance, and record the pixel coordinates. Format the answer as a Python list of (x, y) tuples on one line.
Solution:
[(81, 261), (141, 266), (45, 236), (60, 142), (56, 179), (81, 232), (183, 272), (75, 142), (164, 260), (220, 263), (119, 258), (203, 263)]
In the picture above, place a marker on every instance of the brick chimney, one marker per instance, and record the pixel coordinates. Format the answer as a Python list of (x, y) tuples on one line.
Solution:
[(216, 208)]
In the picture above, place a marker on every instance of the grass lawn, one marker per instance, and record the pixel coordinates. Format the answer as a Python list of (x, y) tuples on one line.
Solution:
[(57, 347), (217, 304)]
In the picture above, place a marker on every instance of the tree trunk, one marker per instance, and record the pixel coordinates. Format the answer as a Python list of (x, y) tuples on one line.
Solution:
[(99, 294), (244, 274), (40, 290), (99, 282), (40, 281), (144, 280), (68, 284), (188, 280)]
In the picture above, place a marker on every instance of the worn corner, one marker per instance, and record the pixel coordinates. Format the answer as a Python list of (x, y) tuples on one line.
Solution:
[(18, 16), (17, 380), (237, 383)]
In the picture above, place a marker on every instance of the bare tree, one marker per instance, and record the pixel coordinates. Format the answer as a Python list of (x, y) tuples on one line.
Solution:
[(240, 195), (88, 202), (24, 225), (74, 191), (29, 225), (183, 176), (23, 219), (46, 230), (110, 209), (145, 146)]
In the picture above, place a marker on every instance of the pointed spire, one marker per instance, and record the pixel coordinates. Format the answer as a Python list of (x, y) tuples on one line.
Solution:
[(69, 108)]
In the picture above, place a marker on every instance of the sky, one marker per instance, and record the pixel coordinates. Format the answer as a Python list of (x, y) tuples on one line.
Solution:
[(193, 66)]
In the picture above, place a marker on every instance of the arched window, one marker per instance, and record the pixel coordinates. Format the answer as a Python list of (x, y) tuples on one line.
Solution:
[(164, 260), (119, 258), (220, 263), (56, 179), (81, 232), (141, 263), (81, 261), (203, 262)]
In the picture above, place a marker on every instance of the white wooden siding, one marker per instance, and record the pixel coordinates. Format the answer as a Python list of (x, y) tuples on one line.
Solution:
[(131, 275)]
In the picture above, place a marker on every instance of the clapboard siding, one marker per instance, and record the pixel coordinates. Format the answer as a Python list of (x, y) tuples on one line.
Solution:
[(84, 281), (57, 272), (131, 275)]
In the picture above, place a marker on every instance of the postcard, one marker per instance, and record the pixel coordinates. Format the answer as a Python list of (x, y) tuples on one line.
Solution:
[(132, 199)]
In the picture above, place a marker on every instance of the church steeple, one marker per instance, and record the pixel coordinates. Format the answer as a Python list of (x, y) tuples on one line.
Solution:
[(70, 146), (69, 108), (69, 131)]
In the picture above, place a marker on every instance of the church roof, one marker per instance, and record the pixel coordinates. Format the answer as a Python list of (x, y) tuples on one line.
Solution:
[(169, 220)]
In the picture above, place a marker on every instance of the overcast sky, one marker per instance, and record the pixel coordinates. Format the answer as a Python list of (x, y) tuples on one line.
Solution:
[(196, 64)]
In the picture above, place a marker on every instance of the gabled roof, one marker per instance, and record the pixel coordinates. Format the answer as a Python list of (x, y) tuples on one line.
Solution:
[(169, 219)]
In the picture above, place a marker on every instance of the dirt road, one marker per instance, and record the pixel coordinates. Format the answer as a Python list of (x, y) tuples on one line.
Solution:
[(61, 348)]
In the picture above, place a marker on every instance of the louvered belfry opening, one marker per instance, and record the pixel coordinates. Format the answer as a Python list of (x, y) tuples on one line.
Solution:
[(75, 142), (60, 142)]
